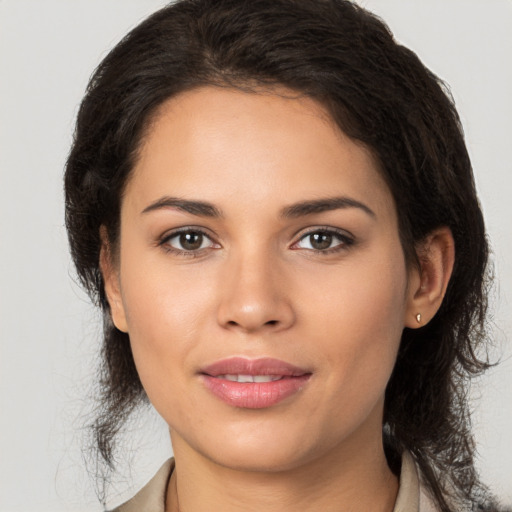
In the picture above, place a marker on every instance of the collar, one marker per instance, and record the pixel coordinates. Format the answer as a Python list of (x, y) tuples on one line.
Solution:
[(411, 496)]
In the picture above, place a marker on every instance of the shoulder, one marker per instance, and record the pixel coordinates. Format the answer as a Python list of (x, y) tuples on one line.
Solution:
[(151, 498)]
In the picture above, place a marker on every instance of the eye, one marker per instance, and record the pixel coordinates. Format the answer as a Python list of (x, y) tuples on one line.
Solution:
[(324, 240), (187, 241)]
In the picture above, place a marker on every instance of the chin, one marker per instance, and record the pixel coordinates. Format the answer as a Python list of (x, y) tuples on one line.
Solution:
[(254, 447)]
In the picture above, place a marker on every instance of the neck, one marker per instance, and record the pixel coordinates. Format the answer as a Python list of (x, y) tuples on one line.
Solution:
[(356, 479)]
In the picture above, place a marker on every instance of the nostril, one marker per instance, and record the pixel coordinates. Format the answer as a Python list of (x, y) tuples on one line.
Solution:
[(270, 323)]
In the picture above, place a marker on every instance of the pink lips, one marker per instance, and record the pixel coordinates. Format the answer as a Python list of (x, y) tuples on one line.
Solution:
[(274, 380)]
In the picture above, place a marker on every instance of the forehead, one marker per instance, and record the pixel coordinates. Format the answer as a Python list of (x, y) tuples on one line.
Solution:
[(220, 143)]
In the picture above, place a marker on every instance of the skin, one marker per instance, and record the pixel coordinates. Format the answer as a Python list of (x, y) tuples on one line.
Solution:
[(257, 287)]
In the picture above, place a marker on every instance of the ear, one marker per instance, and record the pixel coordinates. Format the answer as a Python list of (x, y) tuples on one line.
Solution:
[(427, 284), (111, 282)]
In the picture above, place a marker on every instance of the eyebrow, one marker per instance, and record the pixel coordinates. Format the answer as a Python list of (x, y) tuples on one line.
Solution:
[(300, 209), (304, 208), (199, 208)]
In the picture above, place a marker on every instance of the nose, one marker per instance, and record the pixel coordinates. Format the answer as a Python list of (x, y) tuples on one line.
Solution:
[(254, 295)]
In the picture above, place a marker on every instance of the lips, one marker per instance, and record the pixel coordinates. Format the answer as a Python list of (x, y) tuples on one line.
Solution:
[(254, 383)]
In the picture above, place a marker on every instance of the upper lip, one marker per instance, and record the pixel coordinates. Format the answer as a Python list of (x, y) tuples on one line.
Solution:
[(261, 366)]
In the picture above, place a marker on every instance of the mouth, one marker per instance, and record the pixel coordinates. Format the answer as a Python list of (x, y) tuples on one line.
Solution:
[(250, 378), (254, 383)]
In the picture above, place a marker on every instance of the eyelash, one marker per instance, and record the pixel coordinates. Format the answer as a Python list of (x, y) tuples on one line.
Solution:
[(346, 240), (164, 242)]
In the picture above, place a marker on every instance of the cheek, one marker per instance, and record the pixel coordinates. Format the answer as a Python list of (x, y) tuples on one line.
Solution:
[(165, 308), (359, 319), (368, 289)]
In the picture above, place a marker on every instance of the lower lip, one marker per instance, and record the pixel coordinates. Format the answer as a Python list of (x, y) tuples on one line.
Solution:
[(255, 395)]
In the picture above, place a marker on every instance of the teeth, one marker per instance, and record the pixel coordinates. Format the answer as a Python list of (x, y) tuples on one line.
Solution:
[(245, 378), (250, 378), (266, 378)]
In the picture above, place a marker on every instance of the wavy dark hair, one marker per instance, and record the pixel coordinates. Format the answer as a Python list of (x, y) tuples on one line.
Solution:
[(380, 94)]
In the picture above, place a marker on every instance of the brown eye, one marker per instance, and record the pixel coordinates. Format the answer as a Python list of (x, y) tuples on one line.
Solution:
[(188, 241), (324, 240), (320, 241), (191, 241)]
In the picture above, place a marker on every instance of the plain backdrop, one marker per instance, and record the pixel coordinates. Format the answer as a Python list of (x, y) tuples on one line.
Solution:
[(49, 333)]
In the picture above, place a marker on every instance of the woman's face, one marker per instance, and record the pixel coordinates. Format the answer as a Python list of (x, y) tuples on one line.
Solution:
[(259, 243)]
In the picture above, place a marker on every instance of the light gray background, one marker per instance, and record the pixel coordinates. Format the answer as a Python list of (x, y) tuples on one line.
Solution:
[(48, 331)]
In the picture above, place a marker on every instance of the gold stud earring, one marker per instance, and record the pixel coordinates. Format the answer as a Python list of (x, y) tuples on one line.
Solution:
[(418, 318)]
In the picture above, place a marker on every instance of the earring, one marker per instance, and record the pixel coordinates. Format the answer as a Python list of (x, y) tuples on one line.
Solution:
[(418, 318)]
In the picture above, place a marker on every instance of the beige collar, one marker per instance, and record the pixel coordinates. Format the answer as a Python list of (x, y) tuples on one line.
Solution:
[(411, 498), (411, 494)]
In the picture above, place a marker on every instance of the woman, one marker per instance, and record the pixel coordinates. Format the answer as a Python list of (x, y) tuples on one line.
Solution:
[(273, 204)]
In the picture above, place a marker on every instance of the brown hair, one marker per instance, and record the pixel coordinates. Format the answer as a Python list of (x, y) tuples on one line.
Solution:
[(379, 93)]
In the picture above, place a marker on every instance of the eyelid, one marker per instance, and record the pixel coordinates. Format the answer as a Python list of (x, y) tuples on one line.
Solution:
[(163, 241), (347, 238)]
